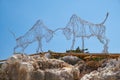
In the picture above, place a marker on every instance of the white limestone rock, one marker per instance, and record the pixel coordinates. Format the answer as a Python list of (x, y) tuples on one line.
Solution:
[(23, 67), (110, 72), (37, 75), (70, 59), (62, 74)]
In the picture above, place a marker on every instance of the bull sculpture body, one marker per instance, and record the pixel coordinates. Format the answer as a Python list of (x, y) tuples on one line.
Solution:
[(36, 33), (84, 29)]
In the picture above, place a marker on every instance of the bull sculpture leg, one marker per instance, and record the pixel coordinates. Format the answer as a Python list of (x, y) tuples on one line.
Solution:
[(15, 48), (83, 44), (39, 45), (73, 42), (105, 42), (23, 47), (105, 50)]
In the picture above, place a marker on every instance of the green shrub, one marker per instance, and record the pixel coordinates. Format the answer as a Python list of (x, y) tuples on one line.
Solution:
[(78, 50), (97, 59)]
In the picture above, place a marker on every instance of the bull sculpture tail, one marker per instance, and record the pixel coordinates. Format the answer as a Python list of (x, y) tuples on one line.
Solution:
[(105, 18)]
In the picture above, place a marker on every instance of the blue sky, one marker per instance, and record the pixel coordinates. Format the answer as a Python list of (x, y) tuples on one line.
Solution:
[(20, 15)]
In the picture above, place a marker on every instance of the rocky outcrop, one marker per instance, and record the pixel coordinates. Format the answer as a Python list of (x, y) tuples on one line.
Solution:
[(37, 67), (23, 67), (110, 71)]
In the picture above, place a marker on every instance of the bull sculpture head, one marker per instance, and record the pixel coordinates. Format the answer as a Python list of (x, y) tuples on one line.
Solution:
[(67, 32), (49, 35)]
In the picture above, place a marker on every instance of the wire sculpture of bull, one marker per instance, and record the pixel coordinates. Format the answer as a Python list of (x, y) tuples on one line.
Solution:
[(36, 33), (84, 29)]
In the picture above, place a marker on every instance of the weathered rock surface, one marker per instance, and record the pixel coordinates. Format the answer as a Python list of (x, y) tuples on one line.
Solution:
[(23, 67), (38, 75), (62, 74), (37, 67), (111, 71), (70, 59), (87, 67)]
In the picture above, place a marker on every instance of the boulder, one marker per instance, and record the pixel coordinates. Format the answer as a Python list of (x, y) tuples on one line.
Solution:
[(111, 71), (3, 75), (18, 67), (18, 70), (37, 75), (23, 67), (24, 71), (87, 67), (47, 55), (62, 74), (70, 59), (52, 64)]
